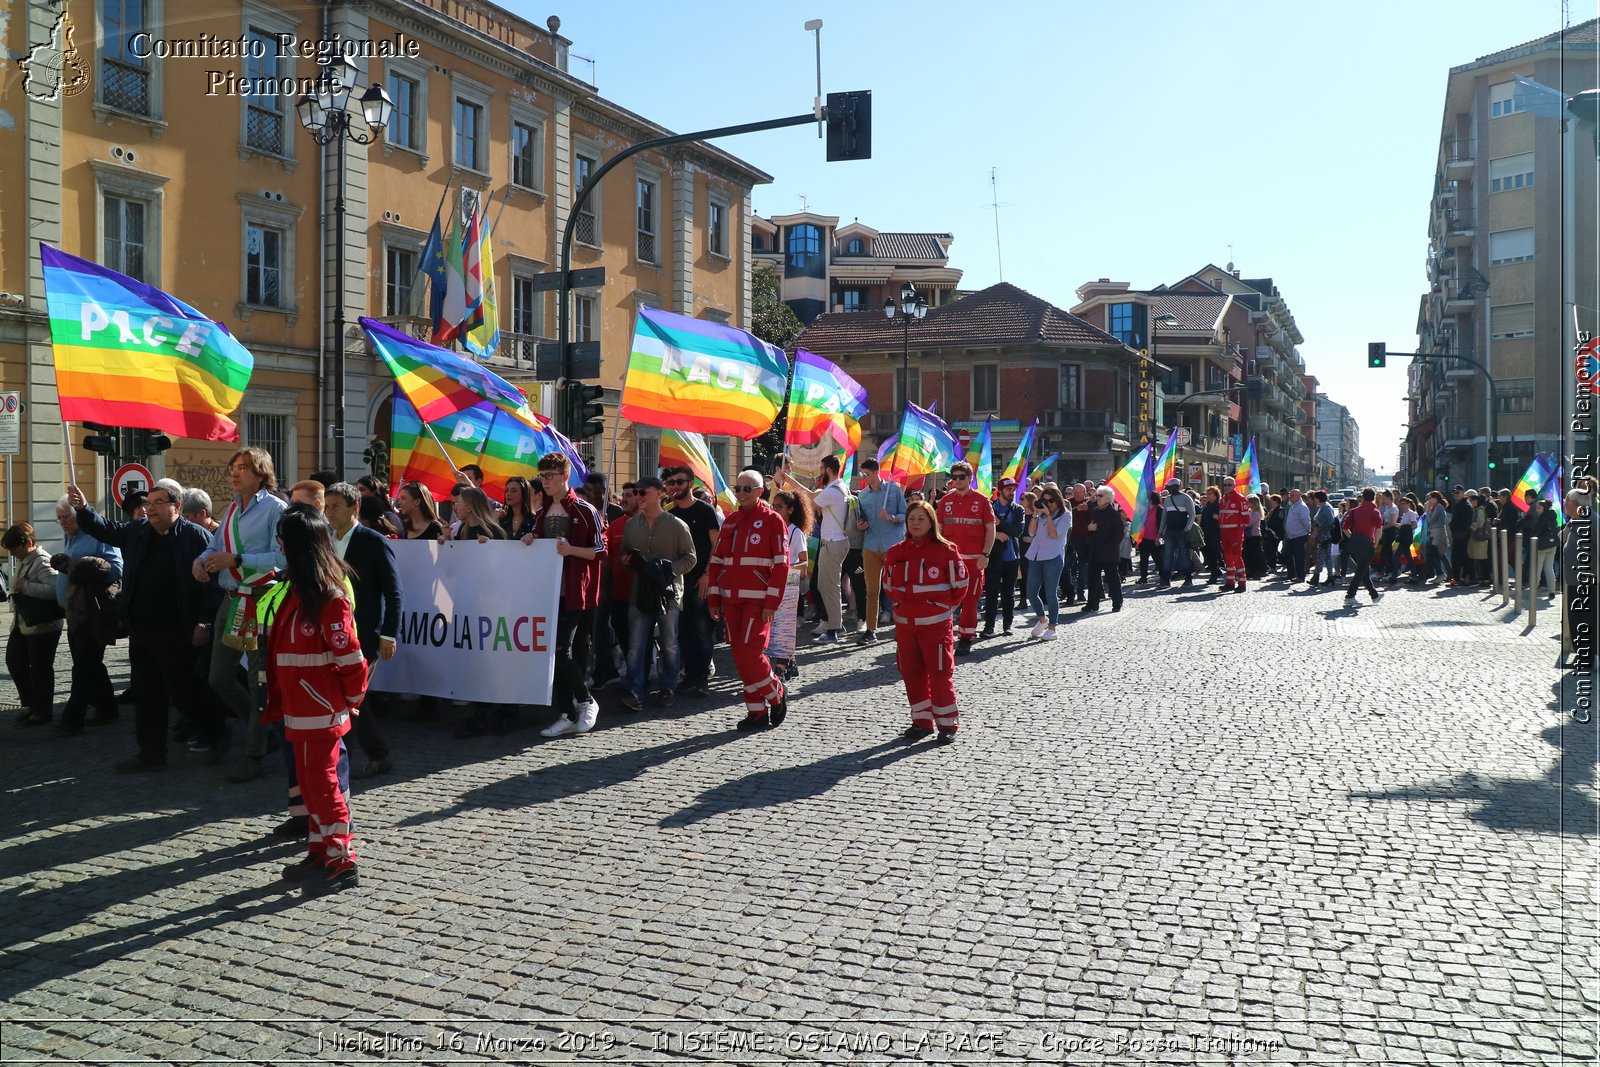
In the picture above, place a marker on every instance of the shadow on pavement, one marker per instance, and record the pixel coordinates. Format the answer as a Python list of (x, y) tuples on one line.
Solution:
[(570, 779), (1556, 803), (784, 785), (25, 968)]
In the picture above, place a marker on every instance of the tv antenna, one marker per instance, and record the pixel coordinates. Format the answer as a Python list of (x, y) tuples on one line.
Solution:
[(994, 202)]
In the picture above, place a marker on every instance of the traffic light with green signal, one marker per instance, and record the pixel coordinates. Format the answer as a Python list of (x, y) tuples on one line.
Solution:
[(1494, 461), (1378, 354)]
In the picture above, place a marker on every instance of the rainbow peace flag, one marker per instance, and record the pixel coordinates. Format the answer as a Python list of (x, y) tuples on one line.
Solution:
[(824, 400), (1018, 467), (483, 335), (701, 377), (1038, 471), (1166, 467), (1248, 476), (1128, 483), (923, 446), (128, 354), (496, 440), (1141, 505), (980, 456), (1536, 477), (1419, 538), (439, 382), (680, 449)]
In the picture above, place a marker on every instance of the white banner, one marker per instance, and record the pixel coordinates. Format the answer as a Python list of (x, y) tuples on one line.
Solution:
[(478, 621)]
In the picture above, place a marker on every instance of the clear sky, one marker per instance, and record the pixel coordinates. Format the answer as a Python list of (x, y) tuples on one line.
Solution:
[(1135, 140)]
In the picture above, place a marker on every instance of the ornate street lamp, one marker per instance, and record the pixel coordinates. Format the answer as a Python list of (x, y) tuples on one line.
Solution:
[(327, 116), (912, 306)]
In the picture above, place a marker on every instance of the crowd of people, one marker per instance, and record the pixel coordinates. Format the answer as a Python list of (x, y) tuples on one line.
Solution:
[(258, 627)]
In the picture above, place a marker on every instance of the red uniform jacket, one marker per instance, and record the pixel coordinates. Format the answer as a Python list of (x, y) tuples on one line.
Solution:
[(580, 578), (621, 574), (1233, 514), (927, 580), (316, 675), (964, 520), (751, 559)]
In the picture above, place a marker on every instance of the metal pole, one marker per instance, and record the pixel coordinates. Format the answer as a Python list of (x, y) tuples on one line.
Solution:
[(1532, 581), (563, 307), (1502, 537), (342, 124)]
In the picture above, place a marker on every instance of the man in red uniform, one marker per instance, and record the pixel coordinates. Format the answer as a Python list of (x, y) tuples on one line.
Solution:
[(1361, 528), (967, 521), (1232, 518), (748, 572)]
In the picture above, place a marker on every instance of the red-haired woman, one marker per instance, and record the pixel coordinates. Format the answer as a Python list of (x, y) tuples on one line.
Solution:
[(927, 580)]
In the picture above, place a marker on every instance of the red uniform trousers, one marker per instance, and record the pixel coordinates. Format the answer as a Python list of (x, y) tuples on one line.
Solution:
[(972, 603), (926, 658), (1233, 557), (316, 767), (747, 639)]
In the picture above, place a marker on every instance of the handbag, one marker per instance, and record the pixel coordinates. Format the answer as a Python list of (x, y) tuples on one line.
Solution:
[(37, 610)]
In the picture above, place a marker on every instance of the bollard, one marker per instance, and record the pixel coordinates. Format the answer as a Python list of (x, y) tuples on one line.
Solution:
[(1496, 562), (1516, 584), (1533, 585), (1505, 577)]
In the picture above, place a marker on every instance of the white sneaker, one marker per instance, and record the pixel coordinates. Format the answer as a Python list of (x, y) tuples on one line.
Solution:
[(1048, 635), (559, 728), (588, 713), (1039, 627)]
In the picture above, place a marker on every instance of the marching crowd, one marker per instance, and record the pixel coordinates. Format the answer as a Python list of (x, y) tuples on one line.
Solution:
[(258, 626)]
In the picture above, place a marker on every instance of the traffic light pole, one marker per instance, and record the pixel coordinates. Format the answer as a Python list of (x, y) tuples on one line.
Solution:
[(569, 413), (1494, 399)]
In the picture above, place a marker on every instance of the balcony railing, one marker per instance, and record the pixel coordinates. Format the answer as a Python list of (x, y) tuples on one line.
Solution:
[(125, 88), (1077, 419), (585, 230), (1460, 150)]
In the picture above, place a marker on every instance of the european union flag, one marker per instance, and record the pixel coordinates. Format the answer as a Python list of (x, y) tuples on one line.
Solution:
[(433, 267)]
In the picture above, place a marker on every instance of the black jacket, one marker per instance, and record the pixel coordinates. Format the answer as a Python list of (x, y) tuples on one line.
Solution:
[(1461, 516), (1540, 527), (377, 585), (197, 601), (1105, 540)]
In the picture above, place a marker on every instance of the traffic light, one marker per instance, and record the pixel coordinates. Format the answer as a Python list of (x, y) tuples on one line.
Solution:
[(587, 412), (849, 126), (1493, 461), (1378, 354), (103, 441), (147, 443)]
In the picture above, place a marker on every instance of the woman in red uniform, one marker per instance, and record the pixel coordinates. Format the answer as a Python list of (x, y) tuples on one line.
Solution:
[(927, 580), (316, 677)]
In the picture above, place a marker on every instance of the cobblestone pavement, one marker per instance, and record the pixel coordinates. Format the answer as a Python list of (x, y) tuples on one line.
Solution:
[(1208, 829)]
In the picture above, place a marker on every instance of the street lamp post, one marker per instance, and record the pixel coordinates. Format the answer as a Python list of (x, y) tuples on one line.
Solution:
[(912, 306), (1147, 387), (328, 118)]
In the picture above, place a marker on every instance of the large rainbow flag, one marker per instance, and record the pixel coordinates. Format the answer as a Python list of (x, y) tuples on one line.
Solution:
[(680, 449), (496, 440), (1536, 477), (439, 382), (700, 376), (1248, 476), (980, 457), (1166, 467), (128, 354), (923, 446), (1128, 483), (1018, 467), (824, 401)]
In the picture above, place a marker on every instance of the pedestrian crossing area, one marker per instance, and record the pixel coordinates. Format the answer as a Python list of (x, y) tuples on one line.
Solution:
[(1364, 622)]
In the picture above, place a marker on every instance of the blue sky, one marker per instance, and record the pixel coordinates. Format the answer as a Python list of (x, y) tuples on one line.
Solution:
[(1135, 140)]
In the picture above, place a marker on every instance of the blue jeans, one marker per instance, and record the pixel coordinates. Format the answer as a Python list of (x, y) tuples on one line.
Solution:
[(696, 634), (663, 629), (1044, 576), (1175, 558)]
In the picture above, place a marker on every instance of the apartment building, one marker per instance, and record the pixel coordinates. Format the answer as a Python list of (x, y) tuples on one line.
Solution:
[(146, 156), (827, 267), (1507, 236), (1338, 443)]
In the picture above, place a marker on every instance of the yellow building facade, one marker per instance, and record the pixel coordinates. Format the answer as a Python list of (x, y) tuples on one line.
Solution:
[(132, 134)]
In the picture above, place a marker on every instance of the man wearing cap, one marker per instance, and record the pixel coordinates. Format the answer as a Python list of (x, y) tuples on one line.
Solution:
[(1177, 515), (966, 520), (1460, 533), (1000, 596), (1233, 515)]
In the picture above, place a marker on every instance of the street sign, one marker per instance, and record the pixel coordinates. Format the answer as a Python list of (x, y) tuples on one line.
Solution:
[(130, 478), (10, 423), (586, 278), (1184, 436), (585, 361), (1197, 473)]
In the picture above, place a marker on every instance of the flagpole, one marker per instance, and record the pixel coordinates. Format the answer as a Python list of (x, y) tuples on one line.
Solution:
[(66, 458), (421, 267), (445, 452)]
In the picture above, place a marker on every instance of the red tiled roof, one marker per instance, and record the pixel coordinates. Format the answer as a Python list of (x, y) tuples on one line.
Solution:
[(999, 315)]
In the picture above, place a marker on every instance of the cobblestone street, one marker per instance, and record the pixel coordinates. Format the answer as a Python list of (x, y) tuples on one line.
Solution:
[(1208, 829)]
